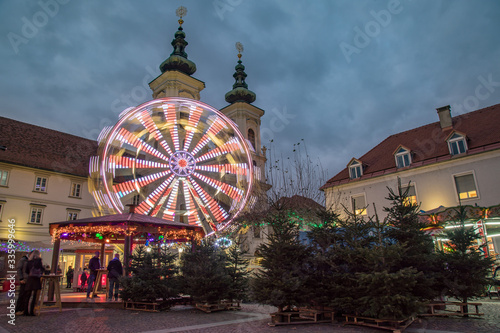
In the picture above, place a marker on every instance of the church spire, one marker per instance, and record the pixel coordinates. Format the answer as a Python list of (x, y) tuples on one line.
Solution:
[(178, 60), (240, 92)]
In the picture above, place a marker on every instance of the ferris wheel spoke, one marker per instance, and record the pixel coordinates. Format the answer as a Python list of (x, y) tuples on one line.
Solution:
[(124, 162), (154, 197), (216, 126), (229, 190), (171, 117), (239, 169), (130, 186), (194, 119), (146, 121), (228, 147), (126, 137), (193, 218), (170, 208), (217, 211)]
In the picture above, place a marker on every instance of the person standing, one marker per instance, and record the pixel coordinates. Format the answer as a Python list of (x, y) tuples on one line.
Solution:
[(33, 268), (83, 279), (115, 271), (69, 277), (22, 282), (94, 265)]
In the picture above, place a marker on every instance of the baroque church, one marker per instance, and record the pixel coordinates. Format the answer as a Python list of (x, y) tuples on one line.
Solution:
[(44, 173)]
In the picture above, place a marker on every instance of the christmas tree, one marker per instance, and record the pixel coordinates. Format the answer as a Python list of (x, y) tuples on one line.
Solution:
[(237, 269)]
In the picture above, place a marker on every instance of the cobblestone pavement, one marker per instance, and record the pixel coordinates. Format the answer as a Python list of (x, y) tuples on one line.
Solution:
[(252, 319)]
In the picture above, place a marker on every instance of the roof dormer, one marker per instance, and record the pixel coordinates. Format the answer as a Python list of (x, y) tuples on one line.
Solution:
[(457, 143), (355, 168), (402, 156)]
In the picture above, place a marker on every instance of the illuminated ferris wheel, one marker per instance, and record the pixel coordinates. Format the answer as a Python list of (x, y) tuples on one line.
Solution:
[(174, 158)]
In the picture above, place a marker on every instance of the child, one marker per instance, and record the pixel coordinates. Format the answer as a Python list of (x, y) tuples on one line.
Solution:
[(83, 279)]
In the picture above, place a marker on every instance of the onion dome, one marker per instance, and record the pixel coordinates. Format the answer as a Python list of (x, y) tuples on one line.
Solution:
[(178, 59), (240, 92)]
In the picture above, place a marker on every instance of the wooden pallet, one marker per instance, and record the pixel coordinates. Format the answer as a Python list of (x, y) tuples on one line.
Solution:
[(146, 306), (442, 309), (396, 326)]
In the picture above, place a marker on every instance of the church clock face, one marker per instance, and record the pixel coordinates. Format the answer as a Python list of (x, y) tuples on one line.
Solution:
[(179, 159)]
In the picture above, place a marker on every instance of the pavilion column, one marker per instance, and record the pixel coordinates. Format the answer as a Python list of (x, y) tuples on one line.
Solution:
[(126, 253), (53, 267), (102, 257)]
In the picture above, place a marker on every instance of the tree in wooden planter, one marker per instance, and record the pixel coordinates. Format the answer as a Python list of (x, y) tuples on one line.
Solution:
[(282, 280), (237, 269), (466, 269), (406, 228), (154, 275), (204, 274)]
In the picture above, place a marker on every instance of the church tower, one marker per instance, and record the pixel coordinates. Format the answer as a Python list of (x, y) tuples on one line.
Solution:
[(175, 79), (246, 115)]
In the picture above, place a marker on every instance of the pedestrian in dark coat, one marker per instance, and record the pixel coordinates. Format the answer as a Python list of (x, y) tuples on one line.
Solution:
[(34, 269), (22, 283), (94, 265), (115, 271), (69, 277), (83, 279)]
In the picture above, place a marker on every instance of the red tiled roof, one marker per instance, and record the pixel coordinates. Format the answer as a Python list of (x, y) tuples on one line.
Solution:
[(42, 148), (427, 144), (299, 202)]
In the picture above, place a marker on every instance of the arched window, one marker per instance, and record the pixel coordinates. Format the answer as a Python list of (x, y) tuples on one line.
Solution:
[(251, 137)]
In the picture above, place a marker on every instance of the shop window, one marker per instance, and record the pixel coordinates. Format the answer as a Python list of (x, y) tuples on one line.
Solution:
[(466, 186)]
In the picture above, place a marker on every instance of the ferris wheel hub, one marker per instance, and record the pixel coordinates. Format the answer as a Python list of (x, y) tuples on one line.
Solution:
[(182, 163)]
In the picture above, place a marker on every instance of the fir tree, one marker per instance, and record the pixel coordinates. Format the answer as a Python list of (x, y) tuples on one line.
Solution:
[(154, 275), (204, 274), (237, 269), (466, 269), (282, 279)]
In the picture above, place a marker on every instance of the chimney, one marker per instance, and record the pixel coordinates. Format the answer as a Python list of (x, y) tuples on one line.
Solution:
[(445, 120)]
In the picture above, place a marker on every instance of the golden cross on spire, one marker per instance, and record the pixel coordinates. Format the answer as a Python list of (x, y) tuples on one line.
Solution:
[(180, 12), (239, 48)]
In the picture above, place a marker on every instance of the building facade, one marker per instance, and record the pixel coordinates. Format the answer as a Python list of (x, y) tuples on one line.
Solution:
[(452, 162)]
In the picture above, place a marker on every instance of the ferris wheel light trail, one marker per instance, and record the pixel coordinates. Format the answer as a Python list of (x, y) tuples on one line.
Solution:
[(148, 156)]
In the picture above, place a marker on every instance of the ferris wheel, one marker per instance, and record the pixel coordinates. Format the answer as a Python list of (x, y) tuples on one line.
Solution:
[(177, 159)]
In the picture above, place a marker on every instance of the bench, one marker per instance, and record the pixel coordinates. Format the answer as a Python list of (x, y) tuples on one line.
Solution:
[(439, 309), (396, 326)]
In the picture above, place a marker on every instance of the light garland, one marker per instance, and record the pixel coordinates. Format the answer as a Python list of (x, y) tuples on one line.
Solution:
[(21, 247)]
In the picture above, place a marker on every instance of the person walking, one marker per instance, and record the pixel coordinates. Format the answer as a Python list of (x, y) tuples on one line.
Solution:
[(83, 279), (22, 283), (94, 265), (115, 271), (69, 277), (33, 268)]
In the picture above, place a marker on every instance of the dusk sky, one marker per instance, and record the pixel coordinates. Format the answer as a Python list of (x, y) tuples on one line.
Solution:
[(340, 74)]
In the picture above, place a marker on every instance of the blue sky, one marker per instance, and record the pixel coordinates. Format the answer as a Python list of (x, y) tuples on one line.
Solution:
[(342, 75)]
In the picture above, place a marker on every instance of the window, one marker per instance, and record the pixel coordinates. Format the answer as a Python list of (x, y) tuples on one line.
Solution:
[(41, 184), (4, 177), (182, 217), (251, 137), (355, 170), (457, 144), (411, 194), (36, 215), (1, 209), (359, 204), (72, 215), (136, 199), (403, 157), (466, 186), (75, 190)]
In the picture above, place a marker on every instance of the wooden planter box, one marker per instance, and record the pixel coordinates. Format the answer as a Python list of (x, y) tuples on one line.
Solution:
[(307, 315), (396, 326), (445, 309), (146, 306), (220, 306)]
